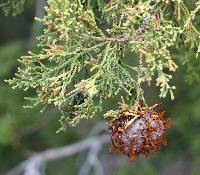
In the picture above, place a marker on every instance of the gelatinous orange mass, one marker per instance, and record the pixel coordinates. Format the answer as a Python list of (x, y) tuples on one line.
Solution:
[(139, 130)]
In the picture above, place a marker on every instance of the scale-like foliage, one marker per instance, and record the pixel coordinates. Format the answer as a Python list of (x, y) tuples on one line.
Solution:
[(83, 48)]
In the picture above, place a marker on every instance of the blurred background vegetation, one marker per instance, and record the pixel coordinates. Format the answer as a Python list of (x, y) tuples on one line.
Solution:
[(25, 131)]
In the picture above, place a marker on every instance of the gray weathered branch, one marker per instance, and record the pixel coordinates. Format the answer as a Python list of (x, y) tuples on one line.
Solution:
[(34, 164)]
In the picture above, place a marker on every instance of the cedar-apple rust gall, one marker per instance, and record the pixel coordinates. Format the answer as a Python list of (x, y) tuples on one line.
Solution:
[(137, 130)]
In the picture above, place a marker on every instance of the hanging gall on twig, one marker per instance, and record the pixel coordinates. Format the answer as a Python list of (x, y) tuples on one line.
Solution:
[(138, 130)]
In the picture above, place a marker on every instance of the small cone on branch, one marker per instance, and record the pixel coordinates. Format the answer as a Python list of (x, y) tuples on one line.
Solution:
[(137, 130)]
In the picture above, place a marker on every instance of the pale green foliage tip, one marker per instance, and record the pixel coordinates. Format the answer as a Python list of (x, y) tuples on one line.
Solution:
[(83, 49)]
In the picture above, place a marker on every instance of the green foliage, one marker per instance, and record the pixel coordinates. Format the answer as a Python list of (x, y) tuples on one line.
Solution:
[(19, 127), (12, 116), (12, 6), (83, 47), (184, 110), (192, 69), (7, 54)]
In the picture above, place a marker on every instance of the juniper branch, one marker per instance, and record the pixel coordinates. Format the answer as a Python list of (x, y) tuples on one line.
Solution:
[(81, 62)]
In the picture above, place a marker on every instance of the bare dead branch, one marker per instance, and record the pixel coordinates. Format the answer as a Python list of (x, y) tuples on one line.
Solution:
[(33, 165), (92, 160)]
